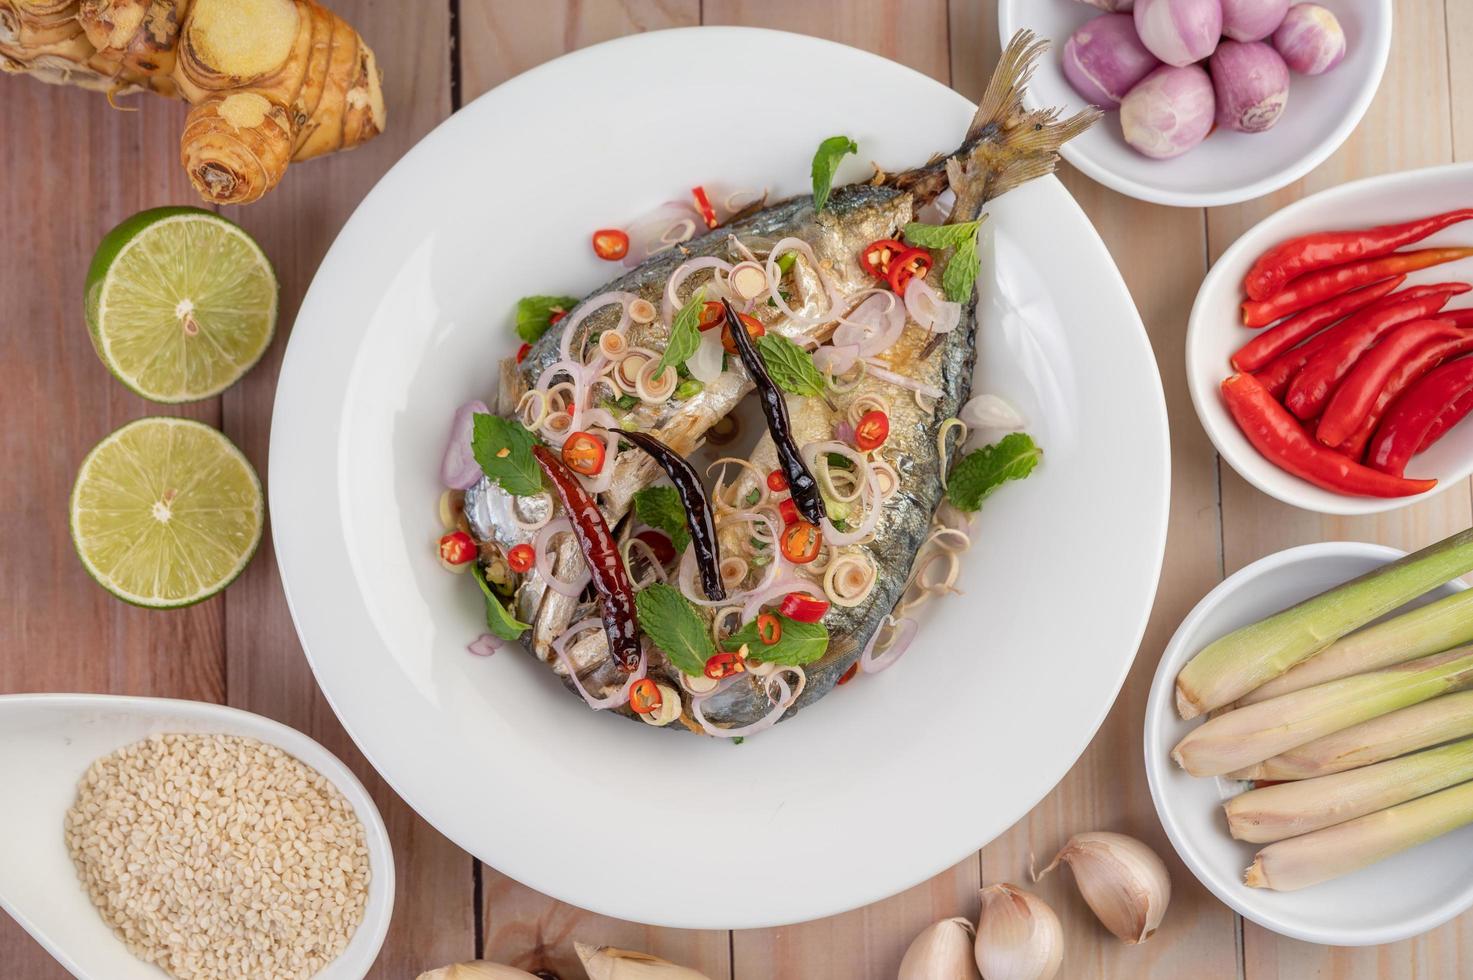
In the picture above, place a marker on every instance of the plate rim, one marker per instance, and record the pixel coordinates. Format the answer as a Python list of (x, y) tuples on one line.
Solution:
[(280, 447)]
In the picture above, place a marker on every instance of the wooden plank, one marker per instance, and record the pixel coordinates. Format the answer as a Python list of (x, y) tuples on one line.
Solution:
[(1160, 252), (434, 908), (1408, 126), (1460, 75), (73, 169)]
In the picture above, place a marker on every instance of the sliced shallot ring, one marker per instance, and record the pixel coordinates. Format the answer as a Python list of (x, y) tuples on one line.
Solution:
[(863, 404), (941, 434), (903, 633), (705, 364), (774, 279), (657, 571), (888, 479), (587, 308), (619, 697), (671, 300), (458, 467), (919, 387), (780, 707), (485, 645), (811, 452), (873, 506), (533, 422), (541, 545), (718, 622), (537, 525), (717, 493), (929, 309)]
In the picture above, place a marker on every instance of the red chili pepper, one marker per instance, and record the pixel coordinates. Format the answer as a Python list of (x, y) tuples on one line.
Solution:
[(601, 553), (802, 607), (610, 244), (875, 259), (754, 327), (1282, 441), (1312, 386), (660, 544), (911, 264), (522, 352), (1450, 417), (1423, 360), (1317, 287), (1275, 340), (872, 431), (1411, 418), (801, 542), (1307, 253), (720, 665), (584, 453), (777, 481), (703, 205), (787, 510), (457, 548), (645, 696), (769, 629), (555, 314), (1353, 399), (713, 314), (848, 675), (521, 558)]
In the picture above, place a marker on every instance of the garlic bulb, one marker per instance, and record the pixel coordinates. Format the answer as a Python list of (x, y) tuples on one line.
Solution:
[(1121, 879), (1018, 936), (611, 963), (943, 951), (476, 970)]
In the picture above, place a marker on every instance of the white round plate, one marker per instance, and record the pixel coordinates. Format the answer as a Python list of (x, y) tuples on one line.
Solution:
[(885, 783), (1227, 167), (1396, 899), (1215, 329)]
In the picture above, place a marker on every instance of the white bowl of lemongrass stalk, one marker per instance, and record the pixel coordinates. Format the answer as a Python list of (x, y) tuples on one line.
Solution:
[(1309, 741)]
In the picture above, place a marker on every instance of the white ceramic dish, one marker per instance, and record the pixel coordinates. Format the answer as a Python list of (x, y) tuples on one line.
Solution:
[(1227, 167), (1215, 329), (47, 741), (1401, 897), (407, 318)]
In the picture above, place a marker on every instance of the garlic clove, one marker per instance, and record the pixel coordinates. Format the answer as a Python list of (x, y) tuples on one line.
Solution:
[(476, 970), (1123, 881), (943, 951), (612, 963), (1018, 936)]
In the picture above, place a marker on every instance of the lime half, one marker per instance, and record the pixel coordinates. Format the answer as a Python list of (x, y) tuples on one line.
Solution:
[(180, 303), (166, 512)]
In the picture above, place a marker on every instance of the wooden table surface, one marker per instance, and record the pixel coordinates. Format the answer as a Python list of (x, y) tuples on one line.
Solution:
[(73, 168)]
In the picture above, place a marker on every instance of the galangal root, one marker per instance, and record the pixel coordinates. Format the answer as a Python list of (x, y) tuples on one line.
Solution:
[(271, 81)]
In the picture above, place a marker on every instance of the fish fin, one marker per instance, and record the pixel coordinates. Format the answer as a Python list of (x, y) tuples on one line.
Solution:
[(1031, 149), (1004, 96)]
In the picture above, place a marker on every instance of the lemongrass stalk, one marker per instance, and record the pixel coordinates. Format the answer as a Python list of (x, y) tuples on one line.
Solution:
[(1303, 861), (1435, 627), (1290, 809), (1261, 731), (1429, 723), (1233, 665)]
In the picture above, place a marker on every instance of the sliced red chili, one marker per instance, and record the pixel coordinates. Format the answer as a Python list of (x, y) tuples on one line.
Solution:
[(610, 244), (457, 548), (777, 481), (801, 542), (769, 629), (522, 352), (754, 327), (521, 558), (713, 314), (848, 675), (555, 314), (584, 453), (802, 607), (875, 259), (645, 696), (913, 263), (703, 205), (660, 544), (720, 665), (787, 510), (872, 431)]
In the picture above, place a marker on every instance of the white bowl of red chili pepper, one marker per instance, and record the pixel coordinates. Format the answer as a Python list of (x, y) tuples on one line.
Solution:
[(1330, 349)]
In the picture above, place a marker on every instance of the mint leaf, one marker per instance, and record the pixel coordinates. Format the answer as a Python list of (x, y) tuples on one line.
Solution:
[(825, 162), (534, 314), (790, 366), (504, 450), (940, 236), (983, 470), (669, 620), (499, 619), (799, 644), (960, 275), (660, 507), (685, 336)]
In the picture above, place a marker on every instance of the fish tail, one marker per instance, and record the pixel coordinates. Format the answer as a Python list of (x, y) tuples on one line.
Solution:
[(1003, 99)]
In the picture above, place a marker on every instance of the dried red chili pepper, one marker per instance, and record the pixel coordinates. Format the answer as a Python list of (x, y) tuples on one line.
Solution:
[(1310, 389), (1353, 399), (601, 553), (1423, 360), (1275, 340), (1307, 253), (1282, 441), (1317, 287), (1411, 418)]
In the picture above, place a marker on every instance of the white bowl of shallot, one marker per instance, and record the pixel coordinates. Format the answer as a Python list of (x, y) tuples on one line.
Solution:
[(1206, 102)]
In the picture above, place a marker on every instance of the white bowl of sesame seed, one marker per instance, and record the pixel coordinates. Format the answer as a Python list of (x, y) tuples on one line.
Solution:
[(145, 837)]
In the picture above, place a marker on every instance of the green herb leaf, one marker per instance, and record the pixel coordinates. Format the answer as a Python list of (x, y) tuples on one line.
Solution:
[(499, 619), (685, 336), (504, 450), (790, 366), (669, 619), (825, 162), (534, 314), (960, 274), (940, 236), (982, 471), (660, 507), (800, 643)]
